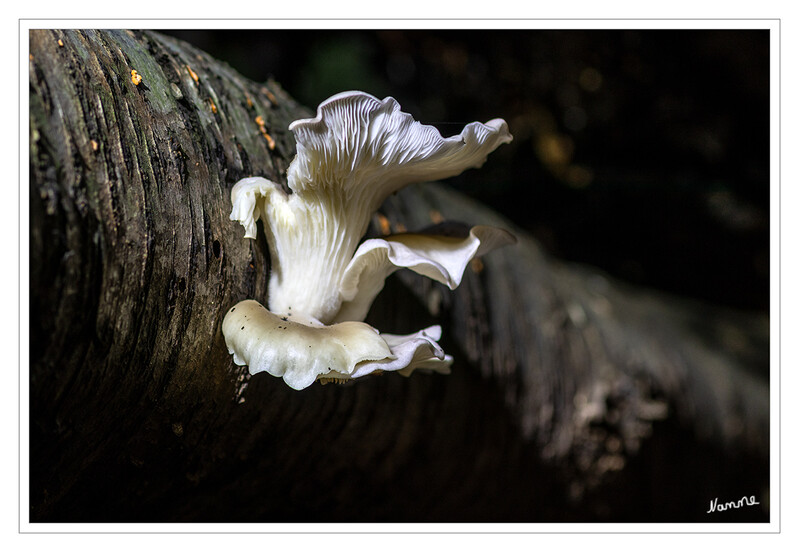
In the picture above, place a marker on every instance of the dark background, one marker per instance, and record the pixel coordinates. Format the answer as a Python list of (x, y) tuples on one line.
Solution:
[(645, 153)]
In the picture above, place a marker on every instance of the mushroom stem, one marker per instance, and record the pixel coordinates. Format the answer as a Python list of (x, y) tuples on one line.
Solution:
[(310, 243)]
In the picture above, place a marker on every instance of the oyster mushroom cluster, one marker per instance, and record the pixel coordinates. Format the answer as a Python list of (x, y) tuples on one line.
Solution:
[(350, 157)]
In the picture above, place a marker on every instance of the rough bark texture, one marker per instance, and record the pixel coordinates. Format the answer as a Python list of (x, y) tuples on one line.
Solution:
[(573, 397)]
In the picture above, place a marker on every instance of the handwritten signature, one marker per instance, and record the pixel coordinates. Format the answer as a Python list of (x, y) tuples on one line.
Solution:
[(744, 501)]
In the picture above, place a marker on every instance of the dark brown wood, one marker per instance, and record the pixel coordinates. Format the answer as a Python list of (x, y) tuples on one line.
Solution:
[(573, 397)]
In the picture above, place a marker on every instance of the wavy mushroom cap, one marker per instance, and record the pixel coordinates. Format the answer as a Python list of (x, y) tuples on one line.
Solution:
[(350, 157)]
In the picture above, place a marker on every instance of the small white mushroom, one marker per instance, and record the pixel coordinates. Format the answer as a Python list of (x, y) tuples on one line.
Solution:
[(440, 258), (350, 157), (302, 352)]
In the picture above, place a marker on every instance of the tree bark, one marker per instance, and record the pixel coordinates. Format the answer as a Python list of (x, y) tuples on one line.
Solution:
[(573, 397)]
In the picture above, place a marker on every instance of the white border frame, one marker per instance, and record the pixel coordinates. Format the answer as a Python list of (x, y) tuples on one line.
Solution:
[(773, 25)]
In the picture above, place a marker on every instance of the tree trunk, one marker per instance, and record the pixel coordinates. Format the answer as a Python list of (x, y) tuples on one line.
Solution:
[(573, 397)]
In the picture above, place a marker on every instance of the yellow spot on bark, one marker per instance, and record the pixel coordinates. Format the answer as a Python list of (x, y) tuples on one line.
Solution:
[(193, 75), (270, 142)]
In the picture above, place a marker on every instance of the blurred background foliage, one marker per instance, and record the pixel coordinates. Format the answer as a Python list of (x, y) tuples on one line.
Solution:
[(642, 152)]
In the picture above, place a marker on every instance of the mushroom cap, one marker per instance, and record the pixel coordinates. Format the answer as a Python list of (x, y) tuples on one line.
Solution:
[(297, 352), (302, 352), (438, 257), (363, 145)]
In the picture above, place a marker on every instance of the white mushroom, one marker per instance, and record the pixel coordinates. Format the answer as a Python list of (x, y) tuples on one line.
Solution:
[(302, 352), (440, 258), (350, 157)]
